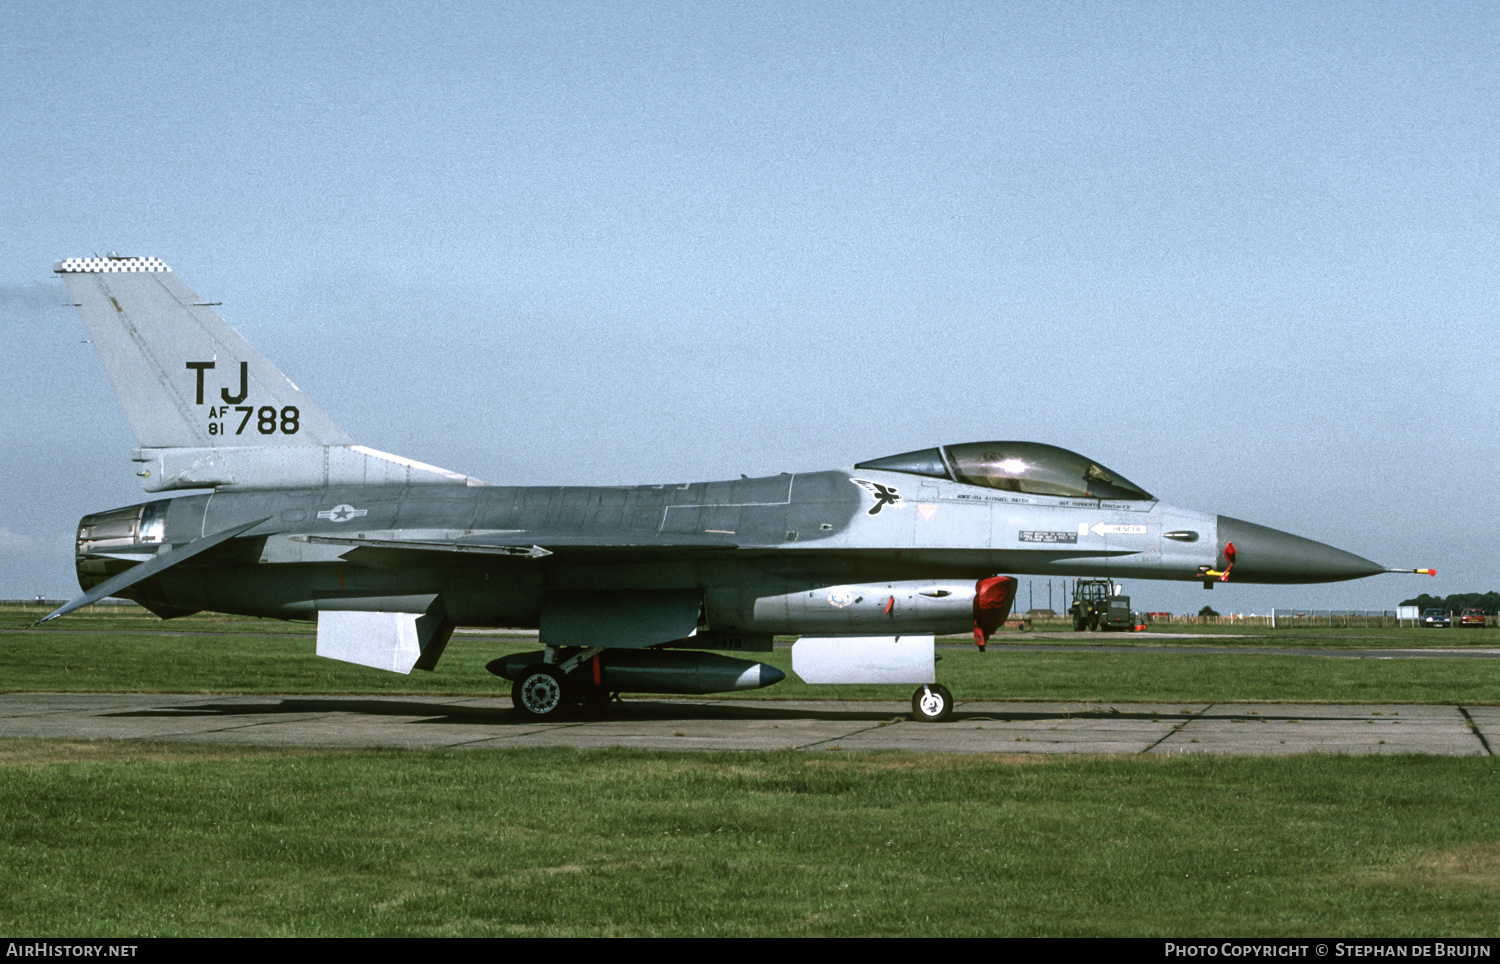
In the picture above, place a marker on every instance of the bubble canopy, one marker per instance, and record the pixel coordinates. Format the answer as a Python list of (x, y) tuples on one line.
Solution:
[(1029, 467)]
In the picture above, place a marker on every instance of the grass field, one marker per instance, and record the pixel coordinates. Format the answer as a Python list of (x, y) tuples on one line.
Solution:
[(142, 654), (1353, 637), (112, 839)]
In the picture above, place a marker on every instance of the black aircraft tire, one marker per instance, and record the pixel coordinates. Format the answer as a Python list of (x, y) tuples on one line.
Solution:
[(931, 703), (541, 692)]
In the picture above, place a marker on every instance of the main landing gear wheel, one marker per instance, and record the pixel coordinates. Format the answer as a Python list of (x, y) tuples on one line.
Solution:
[(932, 703), (540, 692)]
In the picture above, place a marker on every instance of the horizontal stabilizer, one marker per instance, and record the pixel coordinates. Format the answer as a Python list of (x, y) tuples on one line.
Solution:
[(161, 561)]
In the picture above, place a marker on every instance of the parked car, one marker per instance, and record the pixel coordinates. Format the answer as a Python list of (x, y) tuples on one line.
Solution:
[(1436, 619), (1471, 617)]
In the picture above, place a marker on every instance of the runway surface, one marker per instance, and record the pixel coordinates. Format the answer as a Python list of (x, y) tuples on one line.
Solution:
[(1234, 729)]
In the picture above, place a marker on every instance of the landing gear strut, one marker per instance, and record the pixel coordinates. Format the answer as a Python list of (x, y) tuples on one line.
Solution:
[(932, 703), (546, 690)]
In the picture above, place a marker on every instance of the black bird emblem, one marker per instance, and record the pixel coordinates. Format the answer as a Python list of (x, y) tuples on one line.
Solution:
[(884, 494)]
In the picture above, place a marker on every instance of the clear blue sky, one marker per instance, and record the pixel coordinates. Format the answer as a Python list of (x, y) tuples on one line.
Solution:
[(1245, 254)]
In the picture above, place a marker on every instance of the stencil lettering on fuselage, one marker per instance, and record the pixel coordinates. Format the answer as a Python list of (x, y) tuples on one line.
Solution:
[(1033, 535), (1108, 529)]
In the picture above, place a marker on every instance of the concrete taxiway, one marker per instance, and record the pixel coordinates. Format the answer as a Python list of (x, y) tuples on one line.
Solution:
[(428, 722)]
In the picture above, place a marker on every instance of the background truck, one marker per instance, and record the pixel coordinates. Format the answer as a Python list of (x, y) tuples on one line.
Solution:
[(1096, 606)]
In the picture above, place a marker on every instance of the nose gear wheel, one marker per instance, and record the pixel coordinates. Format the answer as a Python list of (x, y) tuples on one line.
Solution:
[(932, 703)]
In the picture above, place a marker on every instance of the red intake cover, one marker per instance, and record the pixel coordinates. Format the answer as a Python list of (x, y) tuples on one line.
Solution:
[(992, 600)]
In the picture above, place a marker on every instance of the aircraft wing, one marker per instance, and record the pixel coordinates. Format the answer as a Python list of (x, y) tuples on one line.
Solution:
[(382, 551)]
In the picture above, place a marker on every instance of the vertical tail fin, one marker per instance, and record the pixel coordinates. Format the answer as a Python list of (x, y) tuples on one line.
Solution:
[(185, 378), (207, 408)]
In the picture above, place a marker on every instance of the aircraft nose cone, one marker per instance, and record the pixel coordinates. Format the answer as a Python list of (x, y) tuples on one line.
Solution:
[(1263, 554)]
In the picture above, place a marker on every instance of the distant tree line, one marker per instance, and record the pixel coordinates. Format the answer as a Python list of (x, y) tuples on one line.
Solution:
[(1458, 602)]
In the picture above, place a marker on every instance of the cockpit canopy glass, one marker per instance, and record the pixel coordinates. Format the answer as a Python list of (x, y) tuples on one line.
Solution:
[(1028, 467)]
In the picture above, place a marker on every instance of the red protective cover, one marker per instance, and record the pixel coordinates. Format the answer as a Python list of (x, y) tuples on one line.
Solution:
[(992, 601)]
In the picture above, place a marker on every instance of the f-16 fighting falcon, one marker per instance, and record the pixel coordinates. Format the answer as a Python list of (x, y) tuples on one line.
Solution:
[(269, 509)]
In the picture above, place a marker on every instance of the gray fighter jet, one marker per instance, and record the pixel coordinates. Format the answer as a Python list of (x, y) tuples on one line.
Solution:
[(632, 588)]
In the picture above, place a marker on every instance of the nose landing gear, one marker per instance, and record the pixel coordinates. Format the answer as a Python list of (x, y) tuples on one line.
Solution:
[(932, 703)]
